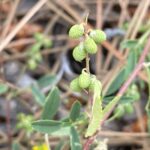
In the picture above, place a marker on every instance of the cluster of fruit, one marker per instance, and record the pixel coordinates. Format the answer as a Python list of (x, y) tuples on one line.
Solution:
[(89, 45), (123, 109), (34, 54), (85, 81)]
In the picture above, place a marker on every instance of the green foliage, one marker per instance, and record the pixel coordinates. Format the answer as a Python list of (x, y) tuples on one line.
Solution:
[(52, 127), (123, 100), (51, 104), (34, 54), (59, 145), (15, 146), (74, 139), (47, 80), (125, 72), (131, 44), (3, 88), (117, 82), (75, 111), (96, 117), (24, 122), (38, 95)]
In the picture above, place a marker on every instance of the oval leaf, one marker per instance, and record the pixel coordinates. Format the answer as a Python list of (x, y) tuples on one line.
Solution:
[(46, 81), (51, 127), (97, 116), (3, 88), (38, 95), (51, 104), (74, 140), (75, 111)]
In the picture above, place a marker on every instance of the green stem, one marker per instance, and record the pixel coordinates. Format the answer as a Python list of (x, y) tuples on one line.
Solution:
[(147, 108), (87, 63)]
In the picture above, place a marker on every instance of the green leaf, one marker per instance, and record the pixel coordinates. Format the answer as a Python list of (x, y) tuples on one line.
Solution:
[(123, 99), (74, 139), (131, 44), (34, 49), (16, 146), (38, 95), (3, 88), (131, 62), (52, 127), (116, 84), (46, 81), (97, 116), (111, 104), (60, 145), (51, 104), (75, 111)]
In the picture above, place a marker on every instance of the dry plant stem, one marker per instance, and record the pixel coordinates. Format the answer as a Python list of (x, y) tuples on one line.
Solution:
[(28, 16), (59, 12), (99, 25), (8, 123), (9, 19), (123, 89)]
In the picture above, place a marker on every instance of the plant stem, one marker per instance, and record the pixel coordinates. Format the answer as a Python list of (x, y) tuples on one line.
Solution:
[(87, 63), (129, 80), (122, 90), (147, 108), (88, 143), (47, 142)]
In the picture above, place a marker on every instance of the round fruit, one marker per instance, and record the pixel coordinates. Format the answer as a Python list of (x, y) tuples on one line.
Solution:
[(98, 36), (90, 45), (47, 42), (37, 57), (38, 37), (84, 80), (32, 64), (128, 108), (74, 85), (119, 111), (95, 85), (79, 53), (76, 31)]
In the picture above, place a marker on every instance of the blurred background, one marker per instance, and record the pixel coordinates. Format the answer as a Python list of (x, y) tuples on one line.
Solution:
[(36, 54)]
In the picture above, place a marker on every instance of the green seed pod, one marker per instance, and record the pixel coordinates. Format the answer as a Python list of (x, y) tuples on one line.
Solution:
[(95, 85), (119, 111), (47, 42), (39, 37), (74, 85), (37, 57), (98, 36), (128, 108), (32, 64), (76, 31), (84, 79), (79, 53), (134, 92), (90, 45)]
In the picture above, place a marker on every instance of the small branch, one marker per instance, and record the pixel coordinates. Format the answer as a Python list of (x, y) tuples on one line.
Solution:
[(87, 64), (88, 143), (29, 15), (47, 142), (121, 91), (129, 80)]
